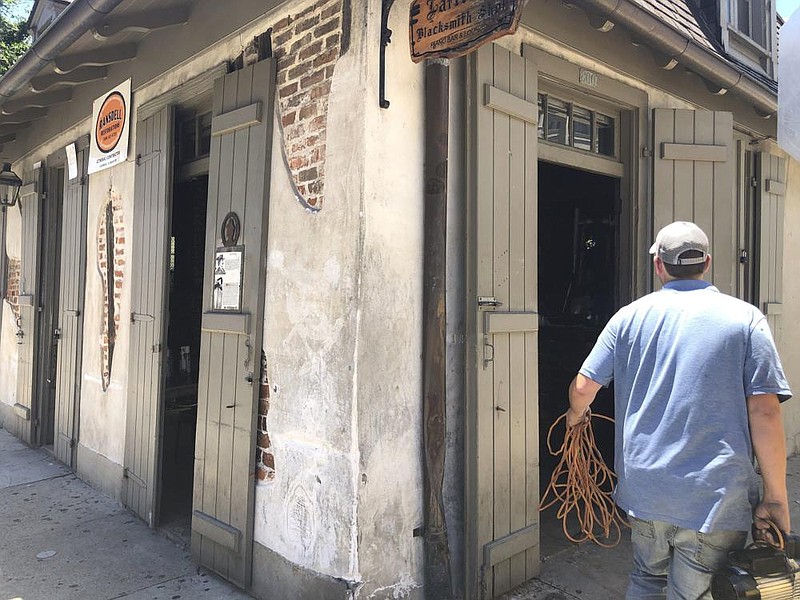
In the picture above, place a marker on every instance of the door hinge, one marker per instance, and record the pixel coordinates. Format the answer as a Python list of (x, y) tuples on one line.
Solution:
[(753, 182), (646, 152), (72, 443), (156, 348)]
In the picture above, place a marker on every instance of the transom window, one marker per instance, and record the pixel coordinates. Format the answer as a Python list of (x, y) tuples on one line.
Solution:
[(194, 136), (569, 124)]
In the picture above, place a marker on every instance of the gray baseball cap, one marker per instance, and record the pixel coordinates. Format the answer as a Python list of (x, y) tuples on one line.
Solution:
[(678, 237)]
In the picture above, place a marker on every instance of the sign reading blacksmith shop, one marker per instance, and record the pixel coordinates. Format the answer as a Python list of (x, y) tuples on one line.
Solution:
[(451, 28)]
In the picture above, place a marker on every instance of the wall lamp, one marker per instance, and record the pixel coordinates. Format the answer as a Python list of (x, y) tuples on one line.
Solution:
[(12, 182)]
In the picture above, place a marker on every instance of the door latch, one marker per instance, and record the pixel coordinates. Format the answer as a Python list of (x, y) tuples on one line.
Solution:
[(743, 257), (488, 302), (57, 334)]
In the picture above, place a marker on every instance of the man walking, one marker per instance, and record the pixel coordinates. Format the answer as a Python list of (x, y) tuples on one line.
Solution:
[(697, 385)]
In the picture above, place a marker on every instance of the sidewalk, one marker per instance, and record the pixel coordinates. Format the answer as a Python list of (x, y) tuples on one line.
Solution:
[(589, 572), (61, 539)]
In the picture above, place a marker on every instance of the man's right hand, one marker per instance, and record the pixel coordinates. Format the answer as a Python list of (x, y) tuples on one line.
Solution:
[(575, 418), (778, 513)]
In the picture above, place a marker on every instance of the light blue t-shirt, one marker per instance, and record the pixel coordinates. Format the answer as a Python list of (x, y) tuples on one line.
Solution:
[(683, 361)]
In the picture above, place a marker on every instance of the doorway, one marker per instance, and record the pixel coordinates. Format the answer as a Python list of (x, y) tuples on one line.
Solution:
[(48, 285), (183, 322), (578, 293)]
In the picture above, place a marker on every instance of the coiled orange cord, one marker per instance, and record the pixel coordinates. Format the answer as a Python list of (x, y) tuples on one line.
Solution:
[(583, 484)]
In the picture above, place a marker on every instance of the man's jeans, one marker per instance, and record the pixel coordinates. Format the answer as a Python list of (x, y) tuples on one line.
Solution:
[(675, 563)]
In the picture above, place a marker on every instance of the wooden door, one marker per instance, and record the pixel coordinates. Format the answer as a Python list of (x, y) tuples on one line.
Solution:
[(149, 271), (30, 206), (694, 177), (502, 419), (770, 194), (72, 284), (230, 346)]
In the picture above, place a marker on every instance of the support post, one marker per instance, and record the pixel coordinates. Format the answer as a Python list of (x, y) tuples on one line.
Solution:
[(437, 554)]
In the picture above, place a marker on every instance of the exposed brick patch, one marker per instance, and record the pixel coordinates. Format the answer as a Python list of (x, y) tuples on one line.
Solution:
[(265, 459), (306, 46), (12, 284), (111, 265)]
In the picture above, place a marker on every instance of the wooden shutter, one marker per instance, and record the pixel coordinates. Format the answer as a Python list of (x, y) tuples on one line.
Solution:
[(230, 345), (694, 180), (72, 284), (502, 524), (771, 193), (149, 270), (30, 206)]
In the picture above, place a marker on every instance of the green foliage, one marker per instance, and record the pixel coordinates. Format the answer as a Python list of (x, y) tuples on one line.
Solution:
[(14, 39)]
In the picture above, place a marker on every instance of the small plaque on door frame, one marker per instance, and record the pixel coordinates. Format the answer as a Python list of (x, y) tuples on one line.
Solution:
[(226, 295)]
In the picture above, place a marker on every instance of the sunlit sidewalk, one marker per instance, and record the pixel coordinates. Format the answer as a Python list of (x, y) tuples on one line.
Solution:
[(62, 539)]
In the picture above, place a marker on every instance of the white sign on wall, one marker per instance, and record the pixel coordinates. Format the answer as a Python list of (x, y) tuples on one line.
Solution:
[(110, 128)]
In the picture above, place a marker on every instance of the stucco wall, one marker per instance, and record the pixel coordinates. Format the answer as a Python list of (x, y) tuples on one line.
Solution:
[(788, 347), (103, 413)]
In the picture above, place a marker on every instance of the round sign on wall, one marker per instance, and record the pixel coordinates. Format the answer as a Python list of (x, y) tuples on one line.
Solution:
[(110, 122)]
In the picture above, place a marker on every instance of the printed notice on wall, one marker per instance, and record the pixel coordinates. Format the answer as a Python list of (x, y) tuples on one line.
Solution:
[(110, 128), (72, 162), (227, 293)]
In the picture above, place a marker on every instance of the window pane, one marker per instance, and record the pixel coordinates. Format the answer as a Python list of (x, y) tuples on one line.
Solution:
[(540, 118), (758, 22), (605, 135), (557, 121), (581, 128), (187, 140), (743, 16), (204, 130)]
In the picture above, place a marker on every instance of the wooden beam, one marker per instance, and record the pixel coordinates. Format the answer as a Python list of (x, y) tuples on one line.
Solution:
[(236, 119), (15, 128), (95, 57), (37, 101), (772, 186), (142, 22), (76, 77), (23, 116), (704, 152), (511, 105)]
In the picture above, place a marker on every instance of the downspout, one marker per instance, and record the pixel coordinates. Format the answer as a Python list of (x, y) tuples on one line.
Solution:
[(664, 39), (437, 554), (78, 18)]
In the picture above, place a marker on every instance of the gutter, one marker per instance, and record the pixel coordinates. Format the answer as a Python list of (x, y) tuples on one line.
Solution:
[(716, 71), (78, 18)]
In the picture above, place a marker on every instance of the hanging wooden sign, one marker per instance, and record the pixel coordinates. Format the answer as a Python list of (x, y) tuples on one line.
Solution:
[(451, 28)]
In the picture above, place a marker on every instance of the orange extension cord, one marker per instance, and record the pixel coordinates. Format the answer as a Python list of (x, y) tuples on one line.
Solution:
[(583, 484)]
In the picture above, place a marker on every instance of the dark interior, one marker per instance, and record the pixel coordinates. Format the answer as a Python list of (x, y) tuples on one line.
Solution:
[(187, 254), (578, 282)]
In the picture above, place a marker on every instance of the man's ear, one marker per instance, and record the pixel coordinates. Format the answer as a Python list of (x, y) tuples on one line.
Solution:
[(658, 264), (708, 264)]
